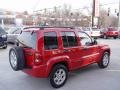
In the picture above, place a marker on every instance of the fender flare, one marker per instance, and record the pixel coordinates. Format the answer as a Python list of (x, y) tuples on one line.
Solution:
[(55, 60)]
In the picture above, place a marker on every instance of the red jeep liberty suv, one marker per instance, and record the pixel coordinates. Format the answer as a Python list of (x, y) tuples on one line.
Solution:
[(54, 51), (111, 32)]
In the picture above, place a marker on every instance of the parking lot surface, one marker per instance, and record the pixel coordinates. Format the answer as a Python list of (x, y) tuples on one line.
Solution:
[(88, 78)]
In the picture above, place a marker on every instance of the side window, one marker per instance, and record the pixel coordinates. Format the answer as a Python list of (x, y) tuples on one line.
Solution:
[(69, 39), (50, 40), (64, 39), (84, 38)]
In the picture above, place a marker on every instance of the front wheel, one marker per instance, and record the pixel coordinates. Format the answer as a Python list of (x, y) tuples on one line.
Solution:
[(58, 76), (104, 62)]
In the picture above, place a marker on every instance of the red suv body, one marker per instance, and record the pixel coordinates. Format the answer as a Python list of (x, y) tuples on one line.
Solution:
[(111, 32), (43, 51)]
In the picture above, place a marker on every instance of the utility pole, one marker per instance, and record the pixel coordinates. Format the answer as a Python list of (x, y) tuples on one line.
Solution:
[(93, 11)]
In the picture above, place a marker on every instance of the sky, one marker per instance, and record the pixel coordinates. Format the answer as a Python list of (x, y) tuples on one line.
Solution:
[(32, 5)]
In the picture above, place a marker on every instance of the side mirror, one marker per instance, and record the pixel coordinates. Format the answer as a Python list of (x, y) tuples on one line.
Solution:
[(95, 41)]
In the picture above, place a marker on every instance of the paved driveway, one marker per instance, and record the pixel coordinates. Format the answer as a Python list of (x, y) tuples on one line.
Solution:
[(88, 78)]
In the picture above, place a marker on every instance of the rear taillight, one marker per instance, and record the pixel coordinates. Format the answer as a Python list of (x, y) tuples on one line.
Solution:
[(38, 59)]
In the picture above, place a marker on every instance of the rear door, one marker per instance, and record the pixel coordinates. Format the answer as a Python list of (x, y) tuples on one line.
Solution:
[(51, 45), (89, 52), (71, 48)]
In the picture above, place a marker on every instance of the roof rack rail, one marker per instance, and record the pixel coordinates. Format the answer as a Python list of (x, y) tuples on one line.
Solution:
[(42, 27)]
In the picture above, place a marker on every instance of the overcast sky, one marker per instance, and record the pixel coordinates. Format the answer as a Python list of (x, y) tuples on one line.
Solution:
[(30, 5)]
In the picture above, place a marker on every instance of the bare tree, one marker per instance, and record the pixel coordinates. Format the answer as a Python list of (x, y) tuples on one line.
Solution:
[(105, 20)]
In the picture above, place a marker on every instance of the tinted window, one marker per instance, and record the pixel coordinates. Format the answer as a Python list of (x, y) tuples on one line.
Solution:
[(64, 39), (27, 39), (50, 40), (84, 38), (112, 29), (69, 39)]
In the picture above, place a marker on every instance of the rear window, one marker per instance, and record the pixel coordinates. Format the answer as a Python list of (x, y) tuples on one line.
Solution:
[(86, 29), (94, 29), (27, 39), (112, 29)]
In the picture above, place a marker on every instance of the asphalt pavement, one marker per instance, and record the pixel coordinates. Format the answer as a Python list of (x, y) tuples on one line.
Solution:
[(88, 78)]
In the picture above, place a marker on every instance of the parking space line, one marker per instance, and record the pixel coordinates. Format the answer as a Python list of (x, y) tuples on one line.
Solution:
[(113, 70)]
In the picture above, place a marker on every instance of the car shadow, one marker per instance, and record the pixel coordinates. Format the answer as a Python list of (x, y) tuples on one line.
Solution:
[(1, 49), (38, 83), (85, 70)]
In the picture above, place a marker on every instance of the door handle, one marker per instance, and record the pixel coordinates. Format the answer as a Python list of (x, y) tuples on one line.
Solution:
[(85, 48), (66, 50)]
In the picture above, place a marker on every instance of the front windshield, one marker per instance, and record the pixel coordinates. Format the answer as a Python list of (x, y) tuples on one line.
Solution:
[(12, 30), (2, 31)]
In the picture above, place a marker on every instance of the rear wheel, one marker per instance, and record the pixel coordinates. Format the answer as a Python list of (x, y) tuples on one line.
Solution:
[(58, 76), (115, 37), (119, 36), (104, 62), (105, 37), (16, 58)]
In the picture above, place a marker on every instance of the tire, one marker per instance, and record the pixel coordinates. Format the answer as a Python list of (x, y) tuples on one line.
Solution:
[(16, 43), (105, 37), (5, 46), (119, 37), (16, 58), (115, 37), (58, 76), (104, 62)]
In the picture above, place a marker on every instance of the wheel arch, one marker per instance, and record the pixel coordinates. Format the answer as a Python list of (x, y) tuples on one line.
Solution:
[(107, 50), (65, 62)]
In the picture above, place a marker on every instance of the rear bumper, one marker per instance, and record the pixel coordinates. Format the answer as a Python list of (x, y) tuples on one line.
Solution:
[(112, 35), (37, 71)]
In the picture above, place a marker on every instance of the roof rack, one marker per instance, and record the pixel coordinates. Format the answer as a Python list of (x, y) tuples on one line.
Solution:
[(42, 27)]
